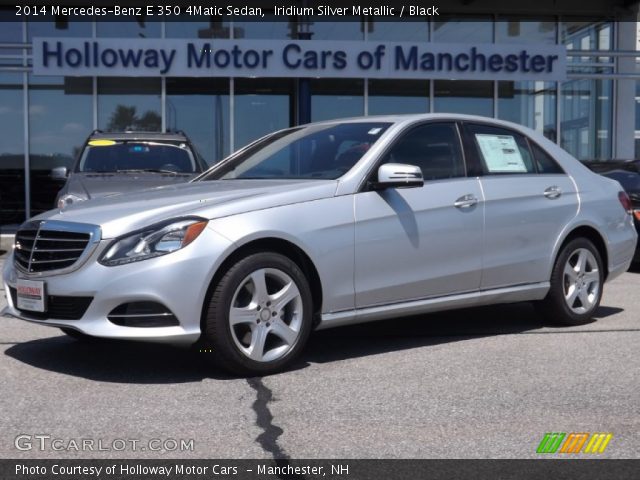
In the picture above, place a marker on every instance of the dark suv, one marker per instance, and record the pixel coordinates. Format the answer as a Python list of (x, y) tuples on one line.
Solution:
[(117, 162)]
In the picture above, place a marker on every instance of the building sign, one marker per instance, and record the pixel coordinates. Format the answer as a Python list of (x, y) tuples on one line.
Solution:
[(283, 58)]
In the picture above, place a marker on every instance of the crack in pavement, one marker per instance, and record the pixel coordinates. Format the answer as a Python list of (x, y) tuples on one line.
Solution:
[(268, 439)]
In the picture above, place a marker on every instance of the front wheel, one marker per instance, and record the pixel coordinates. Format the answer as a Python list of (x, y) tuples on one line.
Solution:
[(259, 316), (576, 284)]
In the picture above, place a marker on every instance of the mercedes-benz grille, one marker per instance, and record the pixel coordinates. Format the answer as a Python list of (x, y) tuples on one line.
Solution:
[(48, 246)]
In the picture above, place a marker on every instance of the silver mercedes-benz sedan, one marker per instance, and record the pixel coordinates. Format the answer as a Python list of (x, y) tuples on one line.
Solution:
[(324, 225)]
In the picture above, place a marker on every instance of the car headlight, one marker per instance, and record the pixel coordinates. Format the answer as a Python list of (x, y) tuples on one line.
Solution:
[(153, 242), (69, 199)]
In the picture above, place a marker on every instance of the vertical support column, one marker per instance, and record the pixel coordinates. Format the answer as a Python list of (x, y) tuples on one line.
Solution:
[(94, 101), (431, 93), (25, 126), (232, 115), (558, 138), (163, 104), (94, 84), (623, 128), (232, 100), (304, 101), (303, 113), (163, 89), (495, 82)]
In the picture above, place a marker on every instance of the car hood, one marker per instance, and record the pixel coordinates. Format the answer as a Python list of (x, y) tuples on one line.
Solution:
[(120, 214), (96, 185)]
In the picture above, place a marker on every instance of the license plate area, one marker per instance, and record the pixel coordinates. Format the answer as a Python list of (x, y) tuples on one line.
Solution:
[(31, 296)]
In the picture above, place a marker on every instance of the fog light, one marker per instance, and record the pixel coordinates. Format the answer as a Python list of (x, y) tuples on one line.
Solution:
[(142, 315)]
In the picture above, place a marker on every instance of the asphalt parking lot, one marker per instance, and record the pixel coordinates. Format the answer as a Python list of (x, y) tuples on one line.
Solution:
[(478, 383)]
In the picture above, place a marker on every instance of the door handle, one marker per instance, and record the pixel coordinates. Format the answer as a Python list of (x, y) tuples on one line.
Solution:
[(466, 201), (553, 192)]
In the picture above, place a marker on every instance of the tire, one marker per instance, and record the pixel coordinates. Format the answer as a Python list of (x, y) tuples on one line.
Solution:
[(249, 327), (77, 335), (577, 281)]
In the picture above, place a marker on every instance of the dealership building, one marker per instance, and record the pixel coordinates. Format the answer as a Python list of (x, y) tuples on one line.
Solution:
[(564, 68)]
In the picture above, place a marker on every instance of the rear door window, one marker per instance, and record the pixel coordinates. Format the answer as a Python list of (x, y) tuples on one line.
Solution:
[(501, 151), (544, 161)]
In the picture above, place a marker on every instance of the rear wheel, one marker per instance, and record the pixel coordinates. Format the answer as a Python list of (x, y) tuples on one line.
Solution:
[(576, 284), (259, 316)]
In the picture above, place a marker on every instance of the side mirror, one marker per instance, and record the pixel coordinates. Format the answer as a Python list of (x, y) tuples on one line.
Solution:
[(59, 173), (398, 175)]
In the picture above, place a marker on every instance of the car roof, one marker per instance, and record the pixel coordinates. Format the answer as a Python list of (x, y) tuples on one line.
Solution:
[(129, 135), (412, 117)]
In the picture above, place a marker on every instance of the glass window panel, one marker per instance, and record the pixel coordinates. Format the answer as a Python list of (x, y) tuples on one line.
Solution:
[(544, 162), (331, 98), (503, 151), (380, 29), (57, 27), (532, 104), (586, 117), (464, 96), (10, 32), (587, 35), (262, 105), (11, 149), (269, 27), (129, 103), (526, 30), (197, 27), (317, 151), (138, 27), (60, 119), (200, 107), (463, 29), (348, 28), (391, 96)]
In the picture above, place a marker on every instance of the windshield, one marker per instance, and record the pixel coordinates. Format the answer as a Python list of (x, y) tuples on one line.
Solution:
[(324, 151), (136, 156)]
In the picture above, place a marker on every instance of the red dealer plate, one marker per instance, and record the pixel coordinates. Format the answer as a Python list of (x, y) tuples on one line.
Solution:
[(31, 295)]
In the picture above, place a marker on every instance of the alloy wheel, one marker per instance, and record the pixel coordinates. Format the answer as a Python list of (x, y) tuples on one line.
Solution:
[(581, 281), (266, 315)]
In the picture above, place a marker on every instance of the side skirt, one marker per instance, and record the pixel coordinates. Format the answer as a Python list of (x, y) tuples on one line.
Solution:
[(519, 293)]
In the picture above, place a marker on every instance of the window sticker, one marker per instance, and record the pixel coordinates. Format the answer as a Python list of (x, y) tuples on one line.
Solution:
[(501, 153)]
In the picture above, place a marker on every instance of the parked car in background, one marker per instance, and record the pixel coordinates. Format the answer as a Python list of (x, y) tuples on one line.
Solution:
[(627, 173), (329, 224), (117, 162)]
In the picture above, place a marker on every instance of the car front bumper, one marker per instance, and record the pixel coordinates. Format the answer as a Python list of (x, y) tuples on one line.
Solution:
[(179, 281)]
